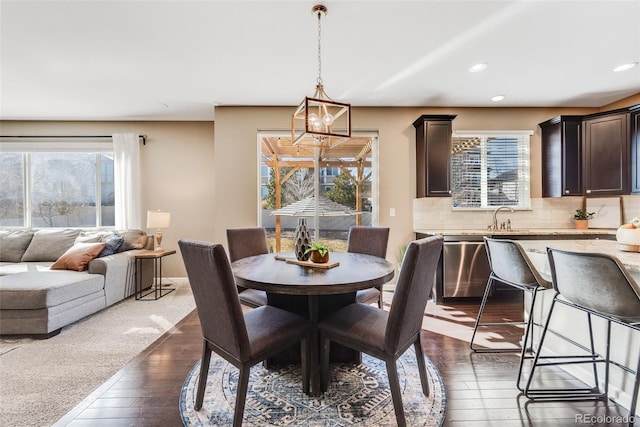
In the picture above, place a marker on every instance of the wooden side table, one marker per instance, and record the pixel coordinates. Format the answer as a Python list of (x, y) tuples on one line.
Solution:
[(157, 289)]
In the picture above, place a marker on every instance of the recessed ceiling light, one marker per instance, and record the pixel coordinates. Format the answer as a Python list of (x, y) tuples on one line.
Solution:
[(498, 98), (478, 67), (625, 67)]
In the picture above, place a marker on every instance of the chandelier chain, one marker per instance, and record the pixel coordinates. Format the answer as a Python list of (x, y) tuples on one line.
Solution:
[(319, 80)]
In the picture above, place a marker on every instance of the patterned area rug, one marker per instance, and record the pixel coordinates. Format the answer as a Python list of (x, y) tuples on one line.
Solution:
[(358, 395)]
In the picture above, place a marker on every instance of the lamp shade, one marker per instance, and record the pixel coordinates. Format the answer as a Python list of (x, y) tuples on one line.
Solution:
[(158, 219)]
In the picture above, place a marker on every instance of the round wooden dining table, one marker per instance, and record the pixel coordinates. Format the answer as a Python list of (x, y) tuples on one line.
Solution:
[(312, 290)]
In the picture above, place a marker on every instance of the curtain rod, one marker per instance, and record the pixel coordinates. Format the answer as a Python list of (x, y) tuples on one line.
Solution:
[(143, 137)]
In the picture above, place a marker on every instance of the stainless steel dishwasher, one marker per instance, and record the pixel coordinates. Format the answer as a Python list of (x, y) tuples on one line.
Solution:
[(465, 268)]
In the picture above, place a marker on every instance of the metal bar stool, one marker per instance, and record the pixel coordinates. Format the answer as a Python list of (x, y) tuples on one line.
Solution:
[(599, 285), (510, 265)]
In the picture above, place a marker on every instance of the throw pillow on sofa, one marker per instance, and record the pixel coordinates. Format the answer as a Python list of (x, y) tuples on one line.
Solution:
[(133, 239), (78, 256), (13, 244), (49, 244), (112, 244)]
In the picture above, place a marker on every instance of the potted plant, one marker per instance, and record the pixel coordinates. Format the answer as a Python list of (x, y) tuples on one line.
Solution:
[(318, 252), (582, 218)]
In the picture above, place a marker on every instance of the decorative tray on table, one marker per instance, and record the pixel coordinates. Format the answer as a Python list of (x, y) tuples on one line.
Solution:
[(325, 265)]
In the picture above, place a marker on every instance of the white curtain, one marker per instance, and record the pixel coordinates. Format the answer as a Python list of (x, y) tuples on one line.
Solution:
[(126, 168)]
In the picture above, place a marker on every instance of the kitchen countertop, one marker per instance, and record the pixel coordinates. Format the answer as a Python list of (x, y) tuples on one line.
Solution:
[(522, 232), (631, 260)]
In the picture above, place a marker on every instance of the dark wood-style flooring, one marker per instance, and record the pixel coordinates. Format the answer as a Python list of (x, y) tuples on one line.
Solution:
[(480, 387)]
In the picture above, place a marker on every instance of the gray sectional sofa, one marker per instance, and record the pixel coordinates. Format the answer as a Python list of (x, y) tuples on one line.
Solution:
[(50, 278)]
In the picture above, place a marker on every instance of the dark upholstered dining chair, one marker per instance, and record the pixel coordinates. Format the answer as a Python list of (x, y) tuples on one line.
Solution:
[(383, 334), (369, 241), (246, 242), (242, 339), (599, 285), (511, 266)]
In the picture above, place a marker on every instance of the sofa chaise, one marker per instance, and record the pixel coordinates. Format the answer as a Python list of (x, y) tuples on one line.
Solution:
[(50, 278)]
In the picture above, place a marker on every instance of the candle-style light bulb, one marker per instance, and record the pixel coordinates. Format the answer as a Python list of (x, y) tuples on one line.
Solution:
[(327, 119)]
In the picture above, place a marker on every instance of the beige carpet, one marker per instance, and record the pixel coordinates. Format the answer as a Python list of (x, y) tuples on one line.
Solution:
[(41, 380)]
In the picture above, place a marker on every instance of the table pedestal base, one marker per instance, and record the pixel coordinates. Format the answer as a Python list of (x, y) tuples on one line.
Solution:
[(315, 308), (338, 354)]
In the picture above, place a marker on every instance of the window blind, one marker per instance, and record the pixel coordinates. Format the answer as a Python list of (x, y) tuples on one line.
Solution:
[(490, 169)]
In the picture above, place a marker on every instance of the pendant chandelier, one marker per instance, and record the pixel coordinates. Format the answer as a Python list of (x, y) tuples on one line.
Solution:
[(319, 120)]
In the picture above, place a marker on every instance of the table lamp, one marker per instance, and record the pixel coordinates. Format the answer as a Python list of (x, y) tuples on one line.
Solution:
[(159, 220)]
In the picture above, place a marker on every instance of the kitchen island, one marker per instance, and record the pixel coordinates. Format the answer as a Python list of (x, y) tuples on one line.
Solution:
[(625, 347)]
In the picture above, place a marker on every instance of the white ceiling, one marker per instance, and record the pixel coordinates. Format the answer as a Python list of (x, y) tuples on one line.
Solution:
[(176, 60)]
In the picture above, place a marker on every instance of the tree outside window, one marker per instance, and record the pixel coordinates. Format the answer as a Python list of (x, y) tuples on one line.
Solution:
[(65, 189), (11, 190)]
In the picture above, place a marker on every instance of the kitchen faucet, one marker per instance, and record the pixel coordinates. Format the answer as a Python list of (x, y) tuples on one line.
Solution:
[(495, 213)]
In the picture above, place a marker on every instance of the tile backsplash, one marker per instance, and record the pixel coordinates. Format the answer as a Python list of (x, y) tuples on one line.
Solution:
[(435, 213)]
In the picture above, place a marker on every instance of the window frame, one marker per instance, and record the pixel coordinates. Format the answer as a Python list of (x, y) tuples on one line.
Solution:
[(523, 167), (27, 148), (373, 135)]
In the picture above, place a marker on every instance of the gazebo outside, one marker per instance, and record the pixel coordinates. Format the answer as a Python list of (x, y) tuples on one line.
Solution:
[(289, 180)]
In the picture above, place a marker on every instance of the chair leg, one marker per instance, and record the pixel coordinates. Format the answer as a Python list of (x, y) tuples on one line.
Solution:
[(589, 393), (422, 368), (380, 302), (204, 372), (594, 357), (485, 296), (527, 334), (634, 396), (606, 363), (394, 384), (540, 344), (325, 349), (241, 394), (304, 364)]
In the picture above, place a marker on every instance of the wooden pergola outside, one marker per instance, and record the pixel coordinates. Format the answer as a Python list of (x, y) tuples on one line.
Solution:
[(354, 153)]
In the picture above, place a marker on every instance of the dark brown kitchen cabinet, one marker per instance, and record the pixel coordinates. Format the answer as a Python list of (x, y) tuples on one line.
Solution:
[(635, 148), (562, 156), (433, 155), (606, 153)]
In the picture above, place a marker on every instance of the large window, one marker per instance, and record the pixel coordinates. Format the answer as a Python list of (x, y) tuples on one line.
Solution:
[(347, 181), (490, 170), (56, 185)]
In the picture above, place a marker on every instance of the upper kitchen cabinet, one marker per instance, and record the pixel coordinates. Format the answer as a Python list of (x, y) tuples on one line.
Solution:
[(606, 165), (635, 148), (593, 155), (562, 156), (433, 154)]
